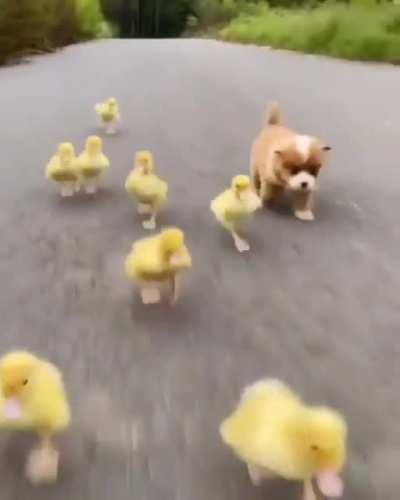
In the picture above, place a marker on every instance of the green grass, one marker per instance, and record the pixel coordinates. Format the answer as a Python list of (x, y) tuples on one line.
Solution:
[(362, 31), (30, 26), (217, 12)]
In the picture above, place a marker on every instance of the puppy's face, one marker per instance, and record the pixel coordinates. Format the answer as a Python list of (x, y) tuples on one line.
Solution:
[(299, 164)]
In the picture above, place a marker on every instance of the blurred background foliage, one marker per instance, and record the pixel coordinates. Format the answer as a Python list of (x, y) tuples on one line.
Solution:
[(29, 26), (355, 29)]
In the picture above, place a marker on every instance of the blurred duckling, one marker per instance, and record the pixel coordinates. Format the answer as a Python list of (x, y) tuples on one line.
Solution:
[(276, 434), (32, 397), (234, 206), (147, 188), (108, 113), (62, 168), (157, 260), (92, 164)]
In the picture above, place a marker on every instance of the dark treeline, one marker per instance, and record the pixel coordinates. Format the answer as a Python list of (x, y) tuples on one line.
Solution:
[(149, 18)]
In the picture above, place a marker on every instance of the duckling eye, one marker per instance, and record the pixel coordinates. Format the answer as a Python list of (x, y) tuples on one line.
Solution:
[(25, 382), (314, 447)]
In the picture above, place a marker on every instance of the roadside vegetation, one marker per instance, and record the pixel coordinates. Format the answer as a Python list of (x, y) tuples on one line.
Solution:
[(356, 29), (34, 26), (366, 32)]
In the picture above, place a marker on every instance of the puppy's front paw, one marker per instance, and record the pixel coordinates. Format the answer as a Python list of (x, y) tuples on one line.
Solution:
[(305, 215)]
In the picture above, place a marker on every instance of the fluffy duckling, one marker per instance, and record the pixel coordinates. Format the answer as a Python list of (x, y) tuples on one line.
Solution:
[(62, 168), (147, 188), (276, 434), (234, 206), (32, 397), (108, 113), (158, 260), (92, 164)]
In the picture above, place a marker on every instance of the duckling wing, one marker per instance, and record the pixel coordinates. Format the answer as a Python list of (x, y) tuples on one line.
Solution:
[(52, 166), (48, 407), (90, 166), (105, 161), (221, 205), (161, 188), (104, 112), (147, 188), (252, 202), (145, 260), (59, 173), (255, 430)]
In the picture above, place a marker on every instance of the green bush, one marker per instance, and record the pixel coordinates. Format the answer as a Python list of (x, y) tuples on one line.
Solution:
[(353, 31), (28, 26), (91, 23), (212, 12)]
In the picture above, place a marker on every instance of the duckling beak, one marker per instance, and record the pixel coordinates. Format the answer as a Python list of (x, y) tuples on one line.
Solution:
[(12, 409), (330, 484), (176, 259), (144, 169), (179, 258)]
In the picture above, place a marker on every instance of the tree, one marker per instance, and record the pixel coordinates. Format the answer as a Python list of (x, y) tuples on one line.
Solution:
[(149, 18)]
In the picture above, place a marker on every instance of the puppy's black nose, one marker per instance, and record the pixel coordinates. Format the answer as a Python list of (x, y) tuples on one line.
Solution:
[(304, 185)]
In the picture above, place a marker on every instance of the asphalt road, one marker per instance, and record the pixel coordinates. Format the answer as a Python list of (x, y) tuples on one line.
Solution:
[(317, 305)]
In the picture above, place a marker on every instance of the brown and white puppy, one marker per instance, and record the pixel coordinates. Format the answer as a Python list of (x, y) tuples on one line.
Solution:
[(283, 160)]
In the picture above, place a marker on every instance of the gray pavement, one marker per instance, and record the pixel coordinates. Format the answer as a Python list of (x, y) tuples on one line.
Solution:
[(315, 304)]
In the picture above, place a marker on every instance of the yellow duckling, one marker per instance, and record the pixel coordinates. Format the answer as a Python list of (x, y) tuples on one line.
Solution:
[(108, 113), (158, 260), (32, 397), (147, 188), (92, 164), (276, 434), (234, 206), (62, 168)]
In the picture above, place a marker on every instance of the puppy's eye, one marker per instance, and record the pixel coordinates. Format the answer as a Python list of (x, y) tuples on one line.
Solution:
[(25, 382), (314, 447), (295, 171), (314, 170)]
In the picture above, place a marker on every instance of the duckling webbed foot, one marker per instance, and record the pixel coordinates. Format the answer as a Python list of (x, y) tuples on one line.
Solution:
[(150, 223), (111, 128), (308, 491), (241, 244), (255, 474), (259, 474), (42, 465), (67, 189), (91, 186), (176, 285), (151, 295)]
